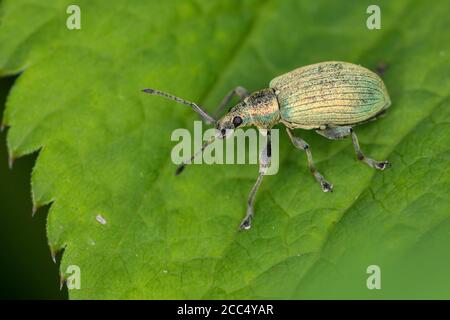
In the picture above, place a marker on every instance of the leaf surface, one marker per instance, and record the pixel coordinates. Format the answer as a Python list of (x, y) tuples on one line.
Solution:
[(104, 148)]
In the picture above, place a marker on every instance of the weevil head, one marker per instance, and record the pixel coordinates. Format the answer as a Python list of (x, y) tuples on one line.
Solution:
[(236, 117), (259, 109)]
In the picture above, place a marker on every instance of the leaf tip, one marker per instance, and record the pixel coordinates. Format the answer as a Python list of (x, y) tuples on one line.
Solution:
[(53, 253), (62, 280), (34, 209), (11, 162)]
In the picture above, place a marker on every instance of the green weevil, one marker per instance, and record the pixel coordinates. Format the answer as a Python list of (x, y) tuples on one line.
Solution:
[(330, 97)]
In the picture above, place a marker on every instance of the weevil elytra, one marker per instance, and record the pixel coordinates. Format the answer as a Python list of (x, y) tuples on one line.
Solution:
[(328, 97)]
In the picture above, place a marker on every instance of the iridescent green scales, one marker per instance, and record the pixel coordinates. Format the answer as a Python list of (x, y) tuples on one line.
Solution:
[(329, 94)]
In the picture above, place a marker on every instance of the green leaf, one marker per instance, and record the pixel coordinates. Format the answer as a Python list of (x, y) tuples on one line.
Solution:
[(104, 148)]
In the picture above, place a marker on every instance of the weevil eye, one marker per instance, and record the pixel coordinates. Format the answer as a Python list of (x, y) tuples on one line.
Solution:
[(223, 131), (237, 121)]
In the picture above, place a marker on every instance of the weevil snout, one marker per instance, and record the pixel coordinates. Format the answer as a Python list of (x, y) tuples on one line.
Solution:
[(224, 133)]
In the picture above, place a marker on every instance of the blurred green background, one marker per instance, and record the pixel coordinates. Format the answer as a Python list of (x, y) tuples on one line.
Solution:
[(26, 268)]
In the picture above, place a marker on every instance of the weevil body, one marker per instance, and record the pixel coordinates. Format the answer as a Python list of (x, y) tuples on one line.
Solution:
[(329, 97)]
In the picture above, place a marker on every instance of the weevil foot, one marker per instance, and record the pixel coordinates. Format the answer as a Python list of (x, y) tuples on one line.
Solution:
[(382, 165), (326, 186), (246, 223)]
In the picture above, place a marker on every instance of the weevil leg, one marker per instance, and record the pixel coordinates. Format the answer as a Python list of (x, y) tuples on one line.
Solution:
[(302, 145), (335, 133), (380, 165), (239, 91), (247, 222), (264, 162)]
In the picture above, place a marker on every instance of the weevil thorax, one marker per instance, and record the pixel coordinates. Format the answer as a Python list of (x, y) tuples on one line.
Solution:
[(259, 109)]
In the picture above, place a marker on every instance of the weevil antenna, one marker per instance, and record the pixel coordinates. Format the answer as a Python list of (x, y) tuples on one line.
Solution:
[(200, 151), (205, 116)]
